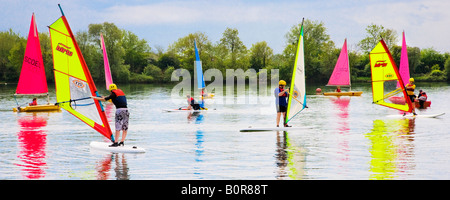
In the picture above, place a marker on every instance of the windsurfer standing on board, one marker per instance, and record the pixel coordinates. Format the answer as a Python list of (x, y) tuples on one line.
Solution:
[(410, 92), (281, 96), (122, 115)]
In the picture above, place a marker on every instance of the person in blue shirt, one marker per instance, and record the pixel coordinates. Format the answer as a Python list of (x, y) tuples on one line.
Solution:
[(281, 98)]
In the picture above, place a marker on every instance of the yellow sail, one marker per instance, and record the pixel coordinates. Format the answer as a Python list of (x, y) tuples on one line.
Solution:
[(73, 81), (384, 78)]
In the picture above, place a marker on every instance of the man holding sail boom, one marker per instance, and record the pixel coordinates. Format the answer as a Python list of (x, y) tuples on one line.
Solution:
[(122, 115), (281, 96)]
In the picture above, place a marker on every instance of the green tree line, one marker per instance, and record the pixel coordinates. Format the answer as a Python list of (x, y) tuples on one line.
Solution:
[(132, 60)]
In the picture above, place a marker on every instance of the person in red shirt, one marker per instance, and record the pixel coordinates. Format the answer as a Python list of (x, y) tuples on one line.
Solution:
[(34, 102)]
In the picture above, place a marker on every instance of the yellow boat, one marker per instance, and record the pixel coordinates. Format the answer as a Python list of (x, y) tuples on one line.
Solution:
[(349, 93), (38, 108), (208, 96)]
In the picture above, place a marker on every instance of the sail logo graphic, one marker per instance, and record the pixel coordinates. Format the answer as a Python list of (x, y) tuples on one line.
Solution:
[(64, 49), (380, 63), (78, 83), (295, 95), (32, 62)]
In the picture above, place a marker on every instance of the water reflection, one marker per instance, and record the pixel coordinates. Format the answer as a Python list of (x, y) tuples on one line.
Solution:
[(290, 158), (341, 103), (392, 148), (197, 118), (121, 169), (32, 139)]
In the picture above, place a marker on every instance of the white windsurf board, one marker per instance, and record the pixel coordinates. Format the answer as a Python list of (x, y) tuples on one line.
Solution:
[(104, 146), (410, 116), (260, 129)]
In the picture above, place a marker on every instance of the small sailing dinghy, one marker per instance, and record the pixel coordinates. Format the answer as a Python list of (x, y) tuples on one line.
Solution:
[(341, 75), (404, 73), (384, 80), (297, 92), (74, 84), (32, 80)]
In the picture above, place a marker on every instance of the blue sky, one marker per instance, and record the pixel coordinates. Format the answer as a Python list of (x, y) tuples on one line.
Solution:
[(426, 22)]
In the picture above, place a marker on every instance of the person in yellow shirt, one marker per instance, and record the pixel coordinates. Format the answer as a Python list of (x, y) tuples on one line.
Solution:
[(410, 92)]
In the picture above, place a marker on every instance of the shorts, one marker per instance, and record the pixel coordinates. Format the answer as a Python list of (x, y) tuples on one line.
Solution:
[(412, 97), (281, 108), (122, 116)]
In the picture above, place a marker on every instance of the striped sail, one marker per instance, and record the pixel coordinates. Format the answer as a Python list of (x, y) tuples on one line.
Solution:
[(384, 78), (297, 93), (73, 81)]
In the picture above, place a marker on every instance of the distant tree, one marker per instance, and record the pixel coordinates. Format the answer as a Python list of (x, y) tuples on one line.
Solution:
[(374, 34), (8, 40), (447, 68), (260, 55), (236, 51), (184, 49), (320, 54), (429, 58), (137, 51)]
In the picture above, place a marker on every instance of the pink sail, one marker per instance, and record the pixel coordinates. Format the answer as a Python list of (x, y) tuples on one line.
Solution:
[(341, 72), (108, 77), (32, 76), (404, 65)]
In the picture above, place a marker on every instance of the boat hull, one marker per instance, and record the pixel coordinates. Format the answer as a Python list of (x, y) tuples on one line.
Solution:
[(350, 93), (401, 100), (38, 108)]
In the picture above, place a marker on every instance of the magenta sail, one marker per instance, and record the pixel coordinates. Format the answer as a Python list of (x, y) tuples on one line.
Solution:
[(32, 76), (108, 77), (404, 64), (341, 72)]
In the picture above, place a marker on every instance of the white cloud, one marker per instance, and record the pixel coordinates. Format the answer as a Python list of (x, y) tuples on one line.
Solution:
[(205, 11)]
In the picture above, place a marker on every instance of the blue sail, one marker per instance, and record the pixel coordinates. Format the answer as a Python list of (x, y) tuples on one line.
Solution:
[(198, 65), (200, 80)]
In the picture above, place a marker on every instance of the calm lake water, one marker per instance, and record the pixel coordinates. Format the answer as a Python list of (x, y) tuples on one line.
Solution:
[(351, 139)]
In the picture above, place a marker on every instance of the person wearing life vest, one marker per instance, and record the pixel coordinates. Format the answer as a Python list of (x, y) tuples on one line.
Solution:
[(281, 97), (338, 89), (192, 104), (410, 87), (422, 99), (119, 100), (34, 102)]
